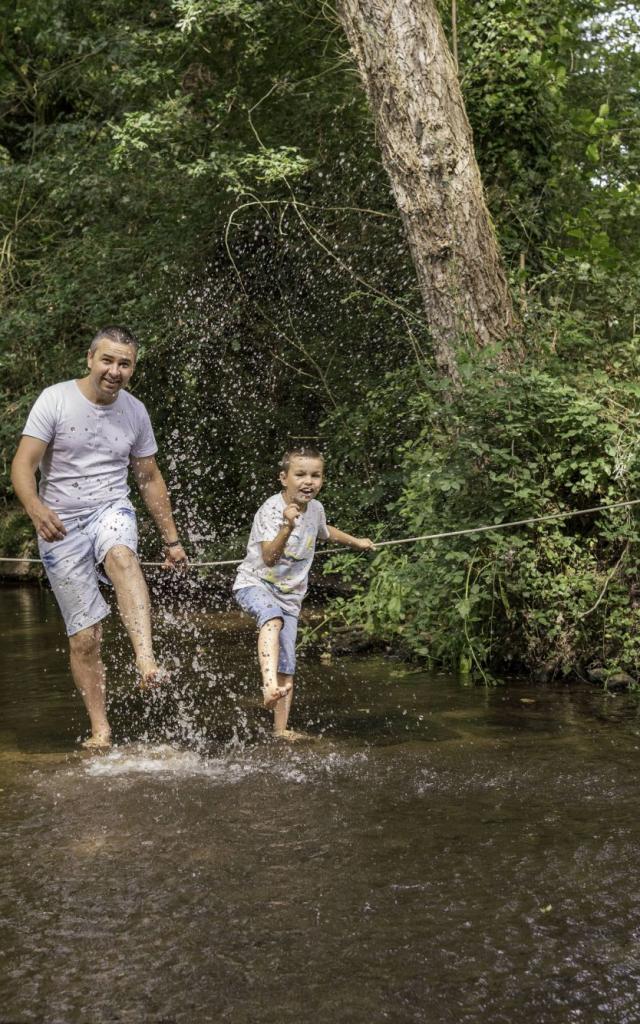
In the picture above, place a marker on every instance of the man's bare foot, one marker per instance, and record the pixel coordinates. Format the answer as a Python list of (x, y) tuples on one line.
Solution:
[(291, 736), (272, 694), (98, 741)]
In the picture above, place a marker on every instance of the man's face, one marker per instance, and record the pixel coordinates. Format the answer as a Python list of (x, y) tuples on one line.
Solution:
[(110, 368), (303, 479)]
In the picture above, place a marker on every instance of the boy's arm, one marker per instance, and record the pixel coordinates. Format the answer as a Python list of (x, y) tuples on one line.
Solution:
[(272, 550), (156, 497), (339, 537)]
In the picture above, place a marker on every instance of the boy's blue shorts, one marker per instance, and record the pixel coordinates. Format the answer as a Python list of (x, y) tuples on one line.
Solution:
[(259, 603)]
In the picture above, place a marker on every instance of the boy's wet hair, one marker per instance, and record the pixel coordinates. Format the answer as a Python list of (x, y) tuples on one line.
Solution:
[(119, 335), (300, 452)]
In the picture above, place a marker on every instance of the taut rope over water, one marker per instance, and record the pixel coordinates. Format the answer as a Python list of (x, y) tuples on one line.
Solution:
[(486, 528)]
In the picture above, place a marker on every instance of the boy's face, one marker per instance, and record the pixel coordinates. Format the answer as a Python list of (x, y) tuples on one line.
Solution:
[(302, 480)]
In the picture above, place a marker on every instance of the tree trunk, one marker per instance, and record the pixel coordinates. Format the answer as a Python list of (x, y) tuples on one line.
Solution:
[(427, 150)]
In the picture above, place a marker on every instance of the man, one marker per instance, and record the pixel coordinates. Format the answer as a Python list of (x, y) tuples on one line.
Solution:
[(83, 435)]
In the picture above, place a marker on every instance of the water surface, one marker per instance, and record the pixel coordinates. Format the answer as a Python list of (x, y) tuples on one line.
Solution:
[(437, 853)]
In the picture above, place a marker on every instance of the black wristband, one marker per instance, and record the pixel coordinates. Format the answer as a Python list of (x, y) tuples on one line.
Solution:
[(172, 544)]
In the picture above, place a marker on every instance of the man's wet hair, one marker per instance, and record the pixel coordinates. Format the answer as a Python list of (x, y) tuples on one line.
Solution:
[(300, 452), (119, 335)]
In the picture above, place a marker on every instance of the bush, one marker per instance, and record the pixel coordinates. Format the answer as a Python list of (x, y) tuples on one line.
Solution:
[(513, 447)]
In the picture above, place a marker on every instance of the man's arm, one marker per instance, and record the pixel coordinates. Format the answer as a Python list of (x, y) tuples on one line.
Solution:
[(23, 477), (156, 497), (339, 537)]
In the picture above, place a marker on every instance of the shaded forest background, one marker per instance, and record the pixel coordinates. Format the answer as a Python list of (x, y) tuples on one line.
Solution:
[(206, 172)]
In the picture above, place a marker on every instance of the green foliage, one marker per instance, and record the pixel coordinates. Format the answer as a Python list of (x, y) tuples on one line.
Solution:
[(206, 172), (552, 94), (512, 447), (201, 172), (16, 536)]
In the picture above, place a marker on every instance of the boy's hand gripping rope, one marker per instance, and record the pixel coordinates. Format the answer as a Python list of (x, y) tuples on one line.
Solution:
[(487, 528)]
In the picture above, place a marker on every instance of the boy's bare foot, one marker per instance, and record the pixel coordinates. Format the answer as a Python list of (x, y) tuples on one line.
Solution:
[(272, 694), (99, 741), (291, 736)]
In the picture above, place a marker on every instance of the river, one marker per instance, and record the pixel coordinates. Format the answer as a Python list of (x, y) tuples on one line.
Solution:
[(435, 853)]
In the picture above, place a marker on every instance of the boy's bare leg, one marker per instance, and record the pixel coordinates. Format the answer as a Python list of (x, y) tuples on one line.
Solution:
[(89, 676), (283, 707), (268, 653), (123, 569), (281, 714)]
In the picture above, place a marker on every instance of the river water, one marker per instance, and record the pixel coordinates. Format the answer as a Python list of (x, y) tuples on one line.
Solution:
[(436, 853)]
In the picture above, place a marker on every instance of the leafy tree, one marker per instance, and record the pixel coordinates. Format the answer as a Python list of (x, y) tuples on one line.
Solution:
[(427, 148), (208, 173)]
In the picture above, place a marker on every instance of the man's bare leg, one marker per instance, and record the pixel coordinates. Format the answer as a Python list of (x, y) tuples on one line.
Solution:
[(89, 676), (123, 569), (268, 653)]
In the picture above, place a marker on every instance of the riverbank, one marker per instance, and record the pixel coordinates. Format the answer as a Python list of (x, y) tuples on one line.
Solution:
[(207, 599)]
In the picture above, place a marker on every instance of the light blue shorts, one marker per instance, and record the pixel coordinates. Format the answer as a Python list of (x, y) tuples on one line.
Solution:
[(73, 564), (259, 603)]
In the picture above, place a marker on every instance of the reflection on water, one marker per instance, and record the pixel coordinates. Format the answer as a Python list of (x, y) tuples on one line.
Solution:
[(433, 853)]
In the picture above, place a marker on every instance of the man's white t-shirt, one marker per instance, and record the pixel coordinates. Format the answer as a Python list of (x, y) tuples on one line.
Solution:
[(289, 576), (89, 446)]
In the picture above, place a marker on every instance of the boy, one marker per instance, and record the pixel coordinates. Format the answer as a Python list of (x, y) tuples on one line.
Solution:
[(272, 580)]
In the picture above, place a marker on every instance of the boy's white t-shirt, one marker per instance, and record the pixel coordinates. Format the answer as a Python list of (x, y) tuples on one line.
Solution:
[(289, 576), (89, 446)]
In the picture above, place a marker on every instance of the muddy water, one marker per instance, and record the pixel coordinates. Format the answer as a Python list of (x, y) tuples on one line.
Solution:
[(436, 853)]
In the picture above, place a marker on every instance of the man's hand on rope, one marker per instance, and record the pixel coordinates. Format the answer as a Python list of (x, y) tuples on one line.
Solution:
[(175, 557)]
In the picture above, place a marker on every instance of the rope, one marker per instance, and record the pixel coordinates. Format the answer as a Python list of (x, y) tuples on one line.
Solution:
[(487, 528), (515, 522)]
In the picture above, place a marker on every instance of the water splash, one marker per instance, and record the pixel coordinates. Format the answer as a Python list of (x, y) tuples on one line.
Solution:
[(231, 767)]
